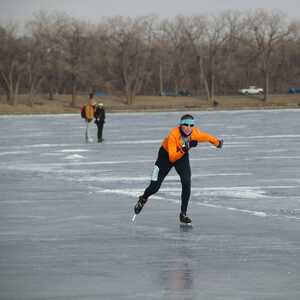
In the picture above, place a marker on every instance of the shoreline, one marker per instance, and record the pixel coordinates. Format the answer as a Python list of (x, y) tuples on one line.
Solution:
[(154, 104), (163, 109)]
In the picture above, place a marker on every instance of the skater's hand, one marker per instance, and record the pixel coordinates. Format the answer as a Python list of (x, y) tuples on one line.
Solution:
[(184, 148), (220, 144), (193, 144)]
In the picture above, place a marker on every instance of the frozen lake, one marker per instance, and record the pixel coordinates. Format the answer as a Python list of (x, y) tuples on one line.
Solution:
[(66, 209)]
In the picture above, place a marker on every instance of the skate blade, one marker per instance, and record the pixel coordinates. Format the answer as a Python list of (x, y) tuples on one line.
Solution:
[(133, 218), (185, 224)]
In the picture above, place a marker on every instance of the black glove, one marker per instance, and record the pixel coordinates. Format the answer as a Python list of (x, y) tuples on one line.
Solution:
[(193, 144), (188, 145), (184, 148), (220, 144)]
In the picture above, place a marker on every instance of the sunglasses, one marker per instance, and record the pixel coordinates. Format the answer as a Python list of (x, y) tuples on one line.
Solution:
[(191, 125)]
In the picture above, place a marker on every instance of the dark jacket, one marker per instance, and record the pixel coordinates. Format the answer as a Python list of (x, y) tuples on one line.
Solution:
[(99, 115)]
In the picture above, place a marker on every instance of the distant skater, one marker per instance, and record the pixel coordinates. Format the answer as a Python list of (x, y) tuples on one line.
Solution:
[(100, 120), (88, 113), (174, 152)]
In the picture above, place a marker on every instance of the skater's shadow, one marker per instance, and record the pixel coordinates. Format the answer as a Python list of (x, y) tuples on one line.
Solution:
[(185, 228)]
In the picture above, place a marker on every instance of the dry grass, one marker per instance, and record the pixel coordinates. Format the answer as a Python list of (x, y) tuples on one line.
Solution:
[(61, 104)]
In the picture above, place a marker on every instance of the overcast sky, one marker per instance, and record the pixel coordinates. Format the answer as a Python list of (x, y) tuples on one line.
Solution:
[(93, 10)]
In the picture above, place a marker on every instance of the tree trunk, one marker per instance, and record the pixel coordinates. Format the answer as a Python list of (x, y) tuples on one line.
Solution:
[(13, 91), (130, 98), (176, 87), (33, 87), (266, 86), (161, 83), (211, 86), (212, 81), (73, 101), (202, 78), (30, 97)]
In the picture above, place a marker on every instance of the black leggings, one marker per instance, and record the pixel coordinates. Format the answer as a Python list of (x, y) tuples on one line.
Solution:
[(100, 130), (162, 168)]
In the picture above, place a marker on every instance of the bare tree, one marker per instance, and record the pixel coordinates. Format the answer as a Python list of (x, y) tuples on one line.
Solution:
[(97, 73), (290, 57), (228, 74), (213, 41), (33, 73), (265, 31), (160, 63), (75, 53), (36, 59), (12, 62), (129, 43), (217, 35), (47, 33), (195, 29), (176, 44)]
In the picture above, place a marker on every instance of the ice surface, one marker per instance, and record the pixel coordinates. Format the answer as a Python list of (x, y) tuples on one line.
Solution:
[(66, 209)]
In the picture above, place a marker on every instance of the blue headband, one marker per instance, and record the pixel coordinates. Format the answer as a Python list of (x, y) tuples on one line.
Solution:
[(187, 122)]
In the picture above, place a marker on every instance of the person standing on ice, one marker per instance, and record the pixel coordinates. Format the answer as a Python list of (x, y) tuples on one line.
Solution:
[(100, 120), (174, 152), (88, 114)]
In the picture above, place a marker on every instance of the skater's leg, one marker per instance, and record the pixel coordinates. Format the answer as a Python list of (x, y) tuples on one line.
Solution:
[(161, 169), (88, 132), (183, 169), (100, 131)]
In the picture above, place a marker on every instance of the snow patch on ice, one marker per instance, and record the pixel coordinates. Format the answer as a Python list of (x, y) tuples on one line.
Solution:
[(136, 142), (72, 150), (41, 146), (14, 152), (135, 192), (275, 136), (247, 211), (127, 192), (147, 178), (74, 156), (232, 192)]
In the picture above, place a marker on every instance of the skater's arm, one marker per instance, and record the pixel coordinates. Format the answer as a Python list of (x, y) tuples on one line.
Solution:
[(201, 136)]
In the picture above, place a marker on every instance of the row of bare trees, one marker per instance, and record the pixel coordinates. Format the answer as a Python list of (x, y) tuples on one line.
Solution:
[(206, 54)]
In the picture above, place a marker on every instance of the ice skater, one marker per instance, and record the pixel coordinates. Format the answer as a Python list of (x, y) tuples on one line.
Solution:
[(88, 114), (174, 152), (100, 120)]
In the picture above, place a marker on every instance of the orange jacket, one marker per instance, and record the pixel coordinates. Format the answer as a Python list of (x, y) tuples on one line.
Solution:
[(173, 143), (89, 112)]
